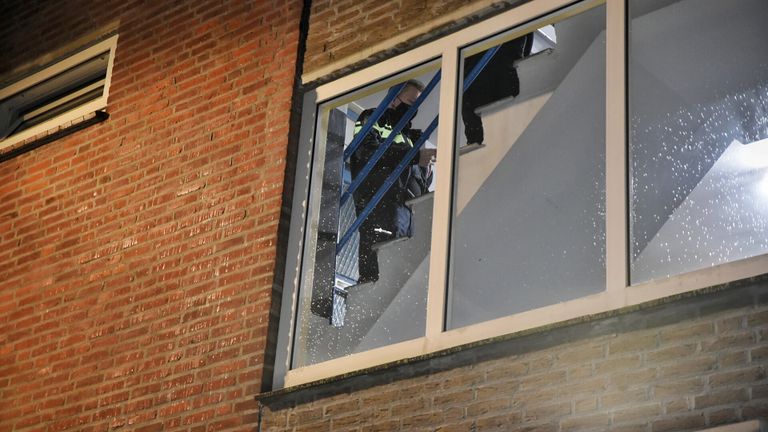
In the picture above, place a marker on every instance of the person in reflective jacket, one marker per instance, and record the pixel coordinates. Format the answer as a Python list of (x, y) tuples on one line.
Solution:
[(391, 218)]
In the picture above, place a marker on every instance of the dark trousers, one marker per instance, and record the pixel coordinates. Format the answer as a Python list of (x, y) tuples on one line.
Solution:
[(388, 221), (497, 81)]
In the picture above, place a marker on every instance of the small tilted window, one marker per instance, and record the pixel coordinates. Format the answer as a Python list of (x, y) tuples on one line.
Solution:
[(62, 92)]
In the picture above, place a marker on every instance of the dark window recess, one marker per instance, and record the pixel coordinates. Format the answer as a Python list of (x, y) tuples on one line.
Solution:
[(56, 95)]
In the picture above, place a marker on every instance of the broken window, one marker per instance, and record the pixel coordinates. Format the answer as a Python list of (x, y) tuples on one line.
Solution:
[(698, 134), (367, 255)]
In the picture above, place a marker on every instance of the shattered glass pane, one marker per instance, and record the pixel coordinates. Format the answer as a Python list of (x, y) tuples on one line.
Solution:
[(698, 104), (365, 263)]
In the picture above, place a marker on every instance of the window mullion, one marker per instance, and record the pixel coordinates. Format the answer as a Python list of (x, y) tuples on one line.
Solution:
[(441, 213), (616, 258)]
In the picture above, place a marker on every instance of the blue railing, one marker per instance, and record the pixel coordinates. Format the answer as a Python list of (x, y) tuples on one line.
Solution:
[(405, 162), (391, 179)]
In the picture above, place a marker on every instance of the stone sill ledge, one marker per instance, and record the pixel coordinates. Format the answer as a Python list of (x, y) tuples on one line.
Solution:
[(747, 426)]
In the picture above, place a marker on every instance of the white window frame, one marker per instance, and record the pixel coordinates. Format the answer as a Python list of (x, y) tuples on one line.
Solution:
[(618, 294), (107, 45)]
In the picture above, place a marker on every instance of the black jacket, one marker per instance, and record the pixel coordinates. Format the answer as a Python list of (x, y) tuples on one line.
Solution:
[(413, 182)]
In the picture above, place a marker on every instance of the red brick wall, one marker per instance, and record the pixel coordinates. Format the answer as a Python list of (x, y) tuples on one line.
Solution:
[(137, 256), (341, 28)]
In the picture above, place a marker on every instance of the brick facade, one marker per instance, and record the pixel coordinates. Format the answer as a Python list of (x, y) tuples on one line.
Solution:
[(137, 255), (336, 25), (349, 34)]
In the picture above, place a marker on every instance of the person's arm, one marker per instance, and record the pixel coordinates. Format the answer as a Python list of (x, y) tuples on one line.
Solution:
[(427, 156)]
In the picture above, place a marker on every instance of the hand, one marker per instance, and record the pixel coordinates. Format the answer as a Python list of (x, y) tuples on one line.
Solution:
[(427, 156)]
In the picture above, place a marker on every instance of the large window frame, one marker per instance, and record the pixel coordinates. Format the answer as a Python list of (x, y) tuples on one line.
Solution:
[(619, 293)]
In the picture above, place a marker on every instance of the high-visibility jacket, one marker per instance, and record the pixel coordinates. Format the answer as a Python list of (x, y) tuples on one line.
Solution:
[(413, 182)]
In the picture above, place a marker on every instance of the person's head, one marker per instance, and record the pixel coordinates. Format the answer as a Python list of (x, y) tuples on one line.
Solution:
[(408, 94)]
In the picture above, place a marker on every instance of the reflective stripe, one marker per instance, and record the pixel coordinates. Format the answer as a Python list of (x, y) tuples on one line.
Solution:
[(384, 132)]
